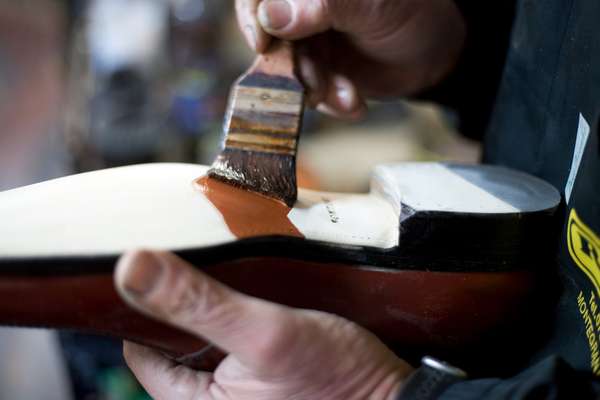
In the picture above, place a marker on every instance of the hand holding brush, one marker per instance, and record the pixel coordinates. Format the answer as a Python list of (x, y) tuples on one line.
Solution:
[(357, 49)]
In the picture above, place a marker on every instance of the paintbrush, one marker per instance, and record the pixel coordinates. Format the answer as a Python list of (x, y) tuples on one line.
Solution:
[(262, 126)]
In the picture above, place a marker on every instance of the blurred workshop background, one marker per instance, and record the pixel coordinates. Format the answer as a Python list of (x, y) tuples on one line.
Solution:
[(90, 84)]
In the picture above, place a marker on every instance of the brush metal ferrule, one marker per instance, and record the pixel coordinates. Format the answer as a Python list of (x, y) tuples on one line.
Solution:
[(265, 115)]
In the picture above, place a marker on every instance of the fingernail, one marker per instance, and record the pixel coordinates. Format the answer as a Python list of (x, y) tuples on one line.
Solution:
[(324, 108), (142, 273), (275, 14), (345, 94), (251, 36)]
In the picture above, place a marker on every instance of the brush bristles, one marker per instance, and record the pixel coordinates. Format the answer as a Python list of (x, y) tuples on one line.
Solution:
[(273, 175)]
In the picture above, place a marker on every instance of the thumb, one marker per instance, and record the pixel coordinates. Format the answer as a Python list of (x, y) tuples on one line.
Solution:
[(295, 19), (169, 289), (381, 24)]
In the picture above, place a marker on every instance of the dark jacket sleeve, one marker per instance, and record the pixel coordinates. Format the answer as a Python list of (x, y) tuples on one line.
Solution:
[(550, 379), (470, 90)]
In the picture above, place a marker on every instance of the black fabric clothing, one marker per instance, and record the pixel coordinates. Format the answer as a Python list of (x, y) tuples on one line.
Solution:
[(550, 379), (471, 89), (544, 119)]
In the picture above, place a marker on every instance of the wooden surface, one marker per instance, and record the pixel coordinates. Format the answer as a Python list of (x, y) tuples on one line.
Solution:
[(431, 310)]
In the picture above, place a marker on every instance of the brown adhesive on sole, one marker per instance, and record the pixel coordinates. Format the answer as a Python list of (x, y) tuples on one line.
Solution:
[(248, 214)]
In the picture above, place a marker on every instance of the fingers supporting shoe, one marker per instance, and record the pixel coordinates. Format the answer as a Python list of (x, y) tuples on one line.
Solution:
[(167, 288), (164, 379)]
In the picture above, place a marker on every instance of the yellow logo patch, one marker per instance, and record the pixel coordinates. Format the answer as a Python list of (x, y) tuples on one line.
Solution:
[(584, 247)]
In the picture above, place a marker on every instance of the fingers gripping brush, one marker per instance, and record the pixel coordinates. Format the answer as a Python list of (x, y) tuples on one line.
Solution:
[(262, 126)]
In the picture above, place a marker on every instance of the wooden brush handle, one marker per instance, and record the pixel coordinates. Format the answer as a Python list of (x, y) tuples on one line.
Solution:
[(277, 60)]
